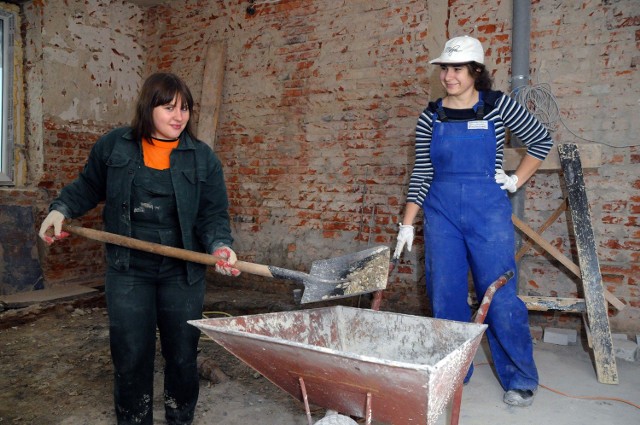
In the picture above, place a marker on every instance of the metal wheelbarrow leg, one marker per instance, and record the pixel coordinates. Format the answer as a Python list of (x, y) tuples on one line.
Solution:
[(480, 317)]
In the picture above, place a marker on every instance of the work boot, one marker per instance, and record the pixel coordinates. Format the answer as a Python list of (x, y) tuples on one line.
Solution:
[(519, 398)]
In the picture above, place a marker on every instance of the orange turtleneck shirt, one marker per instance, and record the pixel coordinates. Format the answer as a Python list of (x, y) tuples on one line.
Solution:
[(156, 152)]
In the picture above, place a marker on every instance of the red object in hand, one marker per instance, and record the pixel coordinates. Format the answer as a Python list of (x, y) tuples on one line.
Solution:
[(226, 267), (50, 239)]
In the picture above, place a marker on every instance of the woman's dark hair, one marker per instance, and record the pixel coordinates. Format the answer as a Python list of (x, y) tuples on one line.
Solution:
[(157, 90), (480, 75)]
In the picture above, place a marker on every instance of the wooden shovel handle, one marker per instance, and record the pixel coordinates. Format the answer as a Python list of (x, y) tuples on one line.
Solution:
[(167, 251)]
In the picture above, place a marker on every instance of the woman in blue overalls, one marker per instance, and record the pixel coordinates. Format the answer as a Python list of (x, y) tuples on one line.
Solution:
[(159, 184), (459, 183)]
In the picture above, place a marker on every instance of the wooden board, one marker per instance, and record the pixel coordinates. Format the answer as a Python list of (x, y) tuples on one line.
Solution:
[(590, 157), (525, 247), (67, 292), (564, 260), (605, 361), (211, 97), (569, 305)]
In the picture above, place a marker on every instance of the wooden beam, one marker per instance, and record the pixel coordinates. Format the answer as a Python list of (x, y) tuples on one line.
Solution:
[(570, 305), (589, 265), (591, 155), (61, 293), (555, 253), (525, 247), (211, 97)]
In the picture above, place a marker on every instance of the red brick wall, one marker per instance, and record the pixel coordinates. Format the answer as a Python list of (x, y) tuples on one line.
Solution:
[(320, 102), (315, 132), (75, 259), (319, 106), (588, 55)]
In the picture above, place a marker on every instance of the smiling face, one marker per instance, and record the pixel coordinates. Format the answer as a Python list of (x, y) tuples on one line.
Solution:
[(457, 80), (170, 119)]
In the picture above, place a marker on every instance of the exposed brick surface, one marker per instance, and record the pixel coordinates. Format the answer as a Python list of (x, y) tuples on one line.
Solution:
[(319, 107)]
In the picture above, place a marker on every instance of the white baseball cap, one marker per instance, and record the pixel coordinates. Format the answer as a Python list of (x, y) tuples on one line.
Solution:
[(461, 50)]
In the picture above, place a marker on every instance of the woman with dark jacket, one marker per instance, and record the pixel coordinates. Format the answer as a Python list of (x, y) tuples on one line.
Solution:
[(158, 184)]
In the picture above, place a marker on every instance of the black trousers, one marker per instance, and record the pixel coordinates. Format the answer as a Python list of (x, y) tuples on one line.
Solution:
[(153, 294)]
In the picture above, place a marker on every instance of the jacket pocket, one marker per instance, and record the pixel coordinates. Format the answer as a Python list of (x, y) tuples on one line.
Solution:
[(202, 173), (190, 175), (117, 172)]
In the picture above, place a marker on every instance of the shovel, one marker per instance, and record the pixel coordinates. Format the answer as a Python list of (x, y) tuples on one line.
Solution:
[(340, 277)]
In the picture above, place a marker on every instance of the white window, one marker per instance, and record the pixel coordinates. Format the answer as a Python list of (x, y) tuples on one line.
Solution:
[(7, 32)]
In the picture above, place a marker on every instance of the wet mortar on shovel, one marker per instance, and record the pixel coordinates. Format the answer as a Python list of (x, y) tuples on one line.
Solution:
[(366, 278)]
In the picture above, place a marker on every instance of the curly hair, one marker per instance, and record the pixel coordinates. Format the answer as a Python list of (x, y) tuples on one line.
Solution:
[(480, 75)]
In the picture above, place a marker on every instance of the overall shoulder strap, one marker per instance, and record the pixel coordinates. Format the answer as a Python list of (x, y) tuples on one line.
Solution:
[(440, 111), (479, 107)]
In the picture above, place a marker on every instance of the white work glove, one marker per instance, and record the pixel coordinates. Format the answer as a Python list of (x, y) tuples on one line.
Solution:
[(405, 237), (507, 182), (55, 220), (229, 258)]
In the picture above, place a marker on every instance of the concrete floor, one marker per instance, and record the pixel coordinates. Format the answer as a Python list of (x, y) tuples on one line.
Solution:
[(566, 372)]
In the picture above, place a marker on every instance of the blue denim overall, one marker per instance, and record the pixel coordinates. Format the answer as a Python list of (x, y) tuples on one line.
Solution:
[(467, 225)]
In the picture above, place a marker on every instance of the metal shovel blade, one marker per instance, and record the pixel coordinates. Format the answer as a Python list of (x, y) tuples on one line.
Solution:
[(357, 273)]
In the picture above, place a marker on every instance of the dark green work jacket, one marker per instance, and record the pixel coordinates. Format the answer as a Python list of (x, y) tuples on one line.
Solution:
[(198, 181)]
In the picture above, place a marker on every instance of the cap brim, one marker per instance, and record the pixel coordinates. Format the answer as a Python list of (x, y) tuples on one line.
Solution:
[(447, 62)]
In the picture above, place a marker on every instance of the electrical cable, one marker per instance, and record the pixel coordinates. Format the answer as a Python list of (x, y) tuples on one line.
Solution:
[(222, 313), (596, 398), (539, 100)]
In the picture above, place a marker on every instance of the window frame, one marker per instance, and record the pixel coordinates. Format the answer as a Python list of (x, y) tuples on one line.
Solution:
[(7, 106)]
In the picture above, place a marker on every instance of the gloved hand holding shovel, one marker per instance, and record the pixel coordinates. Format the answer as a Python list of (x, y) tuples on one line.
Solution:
[(55, 220), (226, 267)]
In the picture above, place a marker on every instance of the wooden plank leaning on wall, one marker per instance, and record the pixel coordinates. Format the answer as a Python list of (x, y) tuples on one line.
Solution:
[(211, 97)]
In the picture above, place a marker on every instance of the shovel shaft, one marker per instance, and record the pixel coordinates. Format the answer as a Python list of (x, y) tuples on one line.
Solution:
[(362, 274), (167, 251)]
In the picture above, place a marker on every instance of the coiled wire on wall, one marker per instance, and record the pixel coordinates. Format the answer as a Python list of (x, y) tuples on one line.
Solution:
[(539, 100)]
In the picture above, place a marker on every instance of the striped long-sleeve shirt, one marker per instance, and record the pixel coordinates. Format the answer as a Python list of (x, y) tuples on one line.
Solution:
[(504, 113)]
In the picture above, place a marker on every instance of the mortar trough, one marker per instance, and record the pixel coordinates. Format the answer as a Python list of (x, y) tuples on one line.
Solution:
[(394, 368)]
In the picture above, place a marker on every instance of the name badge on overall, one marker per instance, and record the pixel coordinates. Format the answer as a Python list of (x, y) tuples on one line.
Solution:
[(477, 125)]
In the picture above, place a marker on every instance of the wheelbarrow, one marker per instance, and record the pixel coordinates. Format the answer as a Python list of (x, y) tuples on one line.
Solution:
[(395, 368)]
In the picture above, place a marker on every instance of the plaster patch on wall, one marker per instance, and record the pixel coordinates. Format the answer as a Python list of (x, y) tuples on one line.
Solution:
[(597, 89), (97, 107), (93, 51), (62, 56), (110, 51), (58, 41), (71, 113)]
